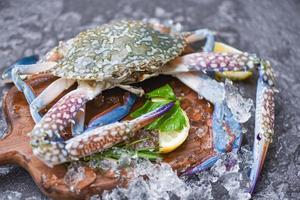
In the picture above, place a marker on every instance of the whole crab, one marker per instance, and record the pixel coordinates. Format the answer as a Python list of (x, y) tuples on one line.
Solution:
[(118, 54)]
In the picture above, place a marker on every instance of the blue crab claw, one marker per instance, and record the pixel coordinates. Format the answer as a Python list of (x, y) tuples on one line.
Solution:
[(104, 137), (7, 73), (49, 146), (260, 152), (264, 120), (115, 114)]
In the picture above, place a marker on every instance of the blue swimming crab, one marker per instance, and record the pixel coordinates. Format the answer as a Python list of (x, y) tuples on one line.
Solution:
[(120, 53)]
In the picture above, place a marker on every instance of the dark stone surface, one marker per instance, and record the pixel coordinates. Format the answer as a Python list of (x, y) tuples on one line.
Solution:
[(268, 28)]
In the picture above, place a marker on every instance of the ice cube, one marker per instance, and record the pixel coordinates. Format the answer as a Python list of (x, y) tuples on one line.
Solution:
[(239, 106)]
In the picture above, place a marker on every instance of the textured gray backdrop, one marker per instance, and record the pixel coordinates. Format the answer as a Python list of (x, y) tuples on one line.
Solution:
[(268, 28)]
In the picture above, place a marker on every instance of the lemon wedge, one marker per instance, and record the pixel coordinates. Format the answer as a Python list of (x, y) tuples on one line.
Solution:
[(169, 141), (235, 76)]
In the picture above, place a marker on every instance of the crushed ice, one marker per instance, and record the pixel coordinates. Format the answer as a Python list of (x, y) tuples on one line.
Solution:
[(239, 106), (10, 195), (227, 179), (74, 175)]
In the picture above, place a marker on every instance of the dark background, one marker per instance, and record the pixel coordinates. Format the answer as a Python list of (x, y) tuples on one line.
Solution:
[(268, 28)]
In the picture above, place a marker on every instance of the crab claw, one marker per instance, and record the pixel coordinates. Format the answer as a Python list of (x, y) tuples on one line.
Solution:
[(260, 152), (6, 74), (115, 114), (104, 137), (264, 124)]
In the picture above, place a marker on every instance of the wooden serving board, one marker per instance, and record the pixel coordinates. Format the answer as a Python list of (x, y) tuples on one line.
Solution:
[(15, 148)]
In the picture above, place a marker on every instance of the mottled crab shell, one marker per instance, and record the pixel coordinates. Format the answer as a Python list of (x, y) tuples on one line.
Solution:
[(118, 51)]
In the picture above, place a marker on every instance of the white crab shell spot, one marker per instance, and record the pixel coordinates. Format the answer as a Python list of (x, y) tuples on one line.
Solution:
[(221, 58), (66, 116), (46, 126), (61, 128), (75, 144), (214, 65), (97, 139), (211, 57), (222, 64), (54, 126), (74, 152), (47, 119), (113, 133), (59, 121), (203, 64), (241, 63)]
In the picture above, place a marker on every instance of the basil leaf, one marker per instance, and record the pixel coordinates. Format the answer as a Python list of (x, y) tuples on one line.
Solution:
[(173, 120), (165, 92)]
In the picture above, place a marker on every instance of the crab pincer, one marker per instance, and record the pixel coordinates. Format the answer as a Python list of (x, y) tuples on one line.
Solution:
[(49, 146), (115, 114), (7, 73)]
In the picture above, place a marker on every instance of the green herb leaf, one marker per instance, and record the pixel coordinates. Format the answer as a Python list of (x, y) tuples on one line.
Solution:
[(173, 120), (165, 92)]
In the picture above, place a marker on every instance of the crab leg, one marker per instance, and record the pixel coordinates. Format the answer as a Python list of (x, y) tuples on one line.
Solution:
[(192, 37), (106, 136), (264, 120), (19, 70), (7, 76), (199, 35), (211, 62), (48, 95), (66, 109), (135, 90), (114, 115), (49, 147)]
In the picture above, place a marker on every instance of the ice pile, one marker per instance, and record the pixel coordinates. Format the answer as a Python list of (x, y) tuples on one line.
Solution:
[(5, 169), (10, 195), (226, 180)]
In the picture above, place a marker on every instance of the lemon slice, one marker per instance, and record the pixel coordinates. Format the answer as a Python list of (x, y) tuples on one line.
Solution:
[(169, 141), (221, 47)]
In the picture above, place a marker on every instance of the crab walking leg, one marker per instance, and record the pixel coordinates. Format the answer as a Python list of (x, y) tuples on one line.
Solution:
[(105, 137), (211, 62), (19, 70), (192, 37), (48, 95), (114, 115), (7, 73), (201, 34), (264, 120), (135, 90)]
